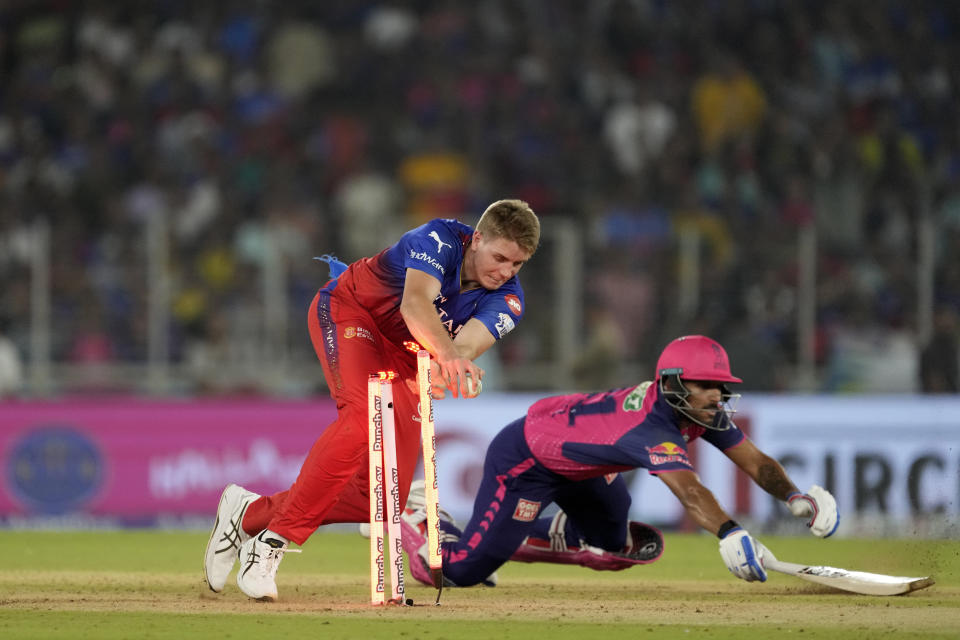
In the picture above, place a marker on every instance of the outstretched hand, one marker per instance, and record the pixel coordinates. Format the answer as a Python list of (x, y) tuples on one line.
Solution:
[(819, 506), (438, 387), (743, 555), (459, 376)]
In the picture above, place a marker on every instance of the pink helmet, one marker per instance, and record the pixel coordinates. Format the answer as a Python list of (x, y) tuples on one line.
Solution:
[(695, 358)]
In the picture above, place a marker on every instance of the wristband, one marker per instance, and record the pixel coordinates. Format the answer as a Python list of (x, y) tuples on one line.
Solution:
[(726, 528)]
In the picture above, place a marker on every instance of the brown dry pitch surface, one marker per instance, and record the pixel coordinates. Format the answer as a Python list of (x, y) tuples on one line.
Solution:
[(149, 584)]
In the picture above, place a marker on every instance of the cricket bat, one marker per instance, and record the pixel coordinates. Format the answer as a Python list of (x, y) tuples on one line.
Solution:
[(871, 584)]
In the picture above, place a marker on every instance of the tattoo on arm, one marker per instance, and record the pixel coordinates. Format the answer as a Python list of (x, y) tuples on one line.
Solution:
[(773, 480)]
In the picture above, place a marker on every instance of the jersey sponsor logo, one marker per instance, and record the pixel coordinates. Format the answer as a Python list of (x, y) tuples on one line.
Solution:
[(504, 324), (514, 303), (526, 510), (440, 243), (445, 319), (451, 330), (358, 332), (634, 399), (422, 256), (667, 453)]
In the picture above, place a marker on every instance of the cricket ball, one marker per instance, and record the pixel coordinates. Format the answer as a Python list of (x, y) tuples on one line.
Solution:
[(473, 388)]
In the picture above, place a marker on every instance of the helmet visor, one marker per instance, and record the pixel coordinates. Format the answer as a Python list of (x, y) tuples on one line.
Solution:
[(717, 418)]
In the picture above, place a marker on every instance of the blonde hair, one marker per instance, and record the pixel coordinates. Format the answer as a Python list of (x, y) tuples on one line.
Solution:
[(513, 220)]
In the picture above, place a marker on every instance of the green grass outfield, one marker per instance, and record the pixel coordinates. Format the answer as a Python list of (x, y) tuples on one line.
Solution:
[(147, 584)]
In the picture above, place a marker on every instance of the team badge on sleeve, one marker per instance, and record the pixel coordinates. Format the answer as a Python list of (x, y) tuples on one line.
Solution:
[(634, 400), (505, 324)]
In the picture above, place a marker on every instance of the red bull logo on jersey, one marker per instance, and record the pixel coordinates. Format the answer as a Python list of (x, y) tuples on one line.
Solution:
[(668, 452), (514, 303)]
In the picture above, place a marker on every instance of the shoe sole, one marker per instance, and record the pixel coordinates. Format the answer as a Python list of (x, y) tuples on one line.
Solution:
[(210, 540), (264, 599)]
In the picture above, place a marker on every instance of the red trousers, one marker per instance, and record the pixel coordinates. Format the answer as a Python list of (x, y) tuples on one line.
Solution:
[(333, 484)]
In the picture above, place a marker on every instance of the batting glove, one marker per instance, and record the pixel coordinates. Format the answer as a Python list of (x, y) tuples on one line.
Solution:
[(819, 506), (743, 555)]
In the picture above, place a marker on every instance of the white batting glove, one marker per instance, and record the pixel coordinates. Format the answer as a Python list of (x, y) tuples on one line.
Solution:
[(743, 555), (819, 506)]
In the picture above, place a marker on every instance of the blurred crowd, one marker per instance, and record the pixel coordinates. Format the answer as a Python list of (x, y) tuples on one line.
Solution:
[(334, 126)]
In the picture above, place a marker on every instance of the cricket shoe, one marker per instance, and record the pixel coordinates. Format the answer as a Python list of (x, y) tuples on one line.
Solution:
[(227, 536), (260, 558), (413, 530)]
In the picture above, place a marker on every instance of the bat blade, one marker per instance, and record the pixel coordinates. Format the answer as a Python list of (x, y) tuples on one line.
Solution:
[(872, 584)]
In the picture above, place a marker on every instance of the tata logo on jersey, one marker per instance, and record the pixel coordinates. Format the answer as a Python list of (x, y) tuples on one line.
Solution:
[(445, 319), (667, 452), (514, 303), (430, 260)]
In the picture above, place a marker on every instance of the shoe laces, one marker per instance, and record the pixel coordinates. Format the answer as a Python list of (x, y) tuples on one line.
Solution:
[(272, 560), (269, 561)]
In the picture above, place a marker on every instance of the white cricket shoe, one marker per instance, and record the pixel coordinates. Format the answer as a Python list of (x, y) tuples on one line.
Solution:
[(227, 536), (260, 558)]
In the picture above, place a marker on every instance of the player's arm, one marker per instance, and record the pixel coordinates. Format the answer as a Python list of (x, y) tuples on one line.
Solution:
[(765, 471), (699, 502), (473, 339), (416, 306), (740, 552), (816, 505)]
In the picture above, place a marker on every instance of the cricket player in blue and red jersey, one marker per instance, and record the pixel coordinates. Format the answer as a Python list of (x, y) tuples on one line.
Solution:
[(443, 286), (570, 450)]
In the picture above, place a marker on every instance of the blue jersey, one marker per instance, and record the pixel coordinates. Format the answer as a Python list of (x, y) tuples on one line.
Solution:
[(436, 248), (582, 436)]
